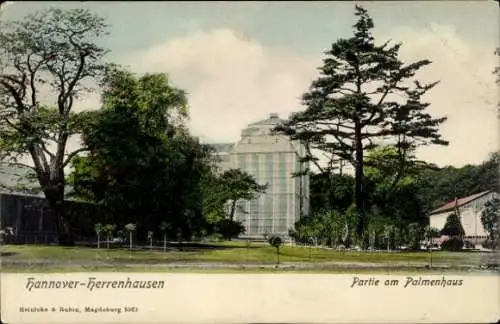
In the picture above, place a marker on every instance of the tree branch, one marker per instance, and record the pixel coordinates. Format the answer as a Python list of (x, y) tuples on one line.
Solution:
[(308, 150), (17, 97), (41, 154), (22, 165), (73, 154), (32, 72), (382, 98), (73, 82), (19, 129), (46, 150), (334, 124)]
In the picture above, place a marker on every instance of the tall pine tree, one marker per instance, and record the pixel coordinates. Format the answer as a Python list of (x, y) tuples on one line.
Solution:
[(365, 95)]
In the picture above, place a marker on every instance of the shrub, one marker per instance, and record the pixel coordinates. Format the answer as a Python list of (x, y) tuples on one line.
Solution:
[(453, 226), (414, 236), (469, 245), (452, 244), (276, 242), (491, 244), (229, 228)]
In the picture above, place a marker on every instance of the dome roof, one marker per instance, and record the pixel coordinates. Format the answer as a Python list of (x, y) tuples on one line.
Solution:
[(262, 127), (273, 119)]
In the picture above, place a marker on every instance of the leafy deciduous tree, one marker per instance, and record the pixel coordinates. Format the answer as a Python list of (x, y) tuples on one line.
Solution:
[(490, 218), (431, 233), (238, 185), (143, 165), (276, 242), (414, 236), (130, 229), (109, 229), (51, 51)]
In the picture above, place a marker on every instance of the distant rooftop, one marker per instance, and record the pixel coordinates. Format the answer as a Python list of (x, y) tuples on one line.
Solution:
[(15, 177), (273, 119), (459, 202), (20, 180)]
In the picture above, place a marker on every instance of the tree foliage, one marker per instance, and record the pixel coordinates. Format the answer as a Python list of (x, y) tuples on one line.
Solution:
[(276, 242), (453, 244), (431, 233), (223, 193), (143, 165), (437, 186), (325, 227), (236, 185), (415, 235), (421, 188), (365, 94), (392, 191), (453, 226), (490, 218), (331, 191)]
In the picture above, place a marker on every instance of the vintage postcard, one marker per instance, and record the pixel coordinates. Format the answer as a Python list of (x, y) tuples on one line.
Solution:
[(249, 162)]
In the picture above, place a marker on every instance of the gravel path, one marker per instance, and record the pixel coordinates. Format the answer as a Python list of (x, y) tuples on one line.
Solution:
[(221, 265)]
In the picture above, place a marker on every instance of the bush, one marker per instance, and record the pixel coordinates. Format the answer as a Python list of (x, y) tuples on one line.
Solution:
[(414, 236), (491, 244), (453, 226), (469, 245), (229, 229), (452, 244), (276, 241)]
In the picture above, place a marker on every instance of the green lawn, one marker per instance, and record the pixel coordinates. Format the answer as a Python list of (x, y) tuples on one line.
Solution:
[(232, 254)]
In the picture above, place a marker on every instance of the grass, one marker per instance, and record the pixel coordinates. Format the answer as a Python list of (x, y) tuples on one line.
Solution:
[(232, 254)]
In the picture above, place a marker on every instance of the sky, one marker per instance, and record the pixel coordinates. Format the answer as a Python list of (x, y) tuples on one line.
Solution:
[(239, 62)]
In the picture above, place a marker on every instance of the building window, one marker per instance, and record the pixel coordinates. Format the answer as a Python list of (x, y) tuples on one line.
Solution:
[(241, 161), (282, 224)]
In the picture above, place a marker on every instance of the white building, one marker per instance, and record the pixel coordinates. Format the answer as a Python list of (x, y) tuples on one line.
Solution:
[(272, 160), (470, 209)]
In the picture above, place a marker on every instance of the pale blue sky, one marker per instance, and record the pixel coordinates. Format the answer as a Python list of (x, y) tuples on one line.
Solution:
[(303, 26), (241, 61)]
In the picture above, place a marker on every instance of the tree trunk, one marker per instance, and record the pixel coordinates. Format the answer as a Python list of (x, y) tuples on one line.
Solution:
[(430, 256), (55, 196), (233, 210), (359, 186)]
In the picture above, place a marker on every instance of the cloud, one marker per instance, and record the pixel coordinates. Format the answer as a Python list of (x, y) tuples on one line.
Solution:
[(467, 93), (233, 80)]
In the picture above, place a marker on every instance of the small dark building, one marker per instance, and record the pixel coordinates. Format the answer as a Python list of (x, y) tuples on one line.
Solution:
[(24, 209), (28, 216), (34, 223)]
